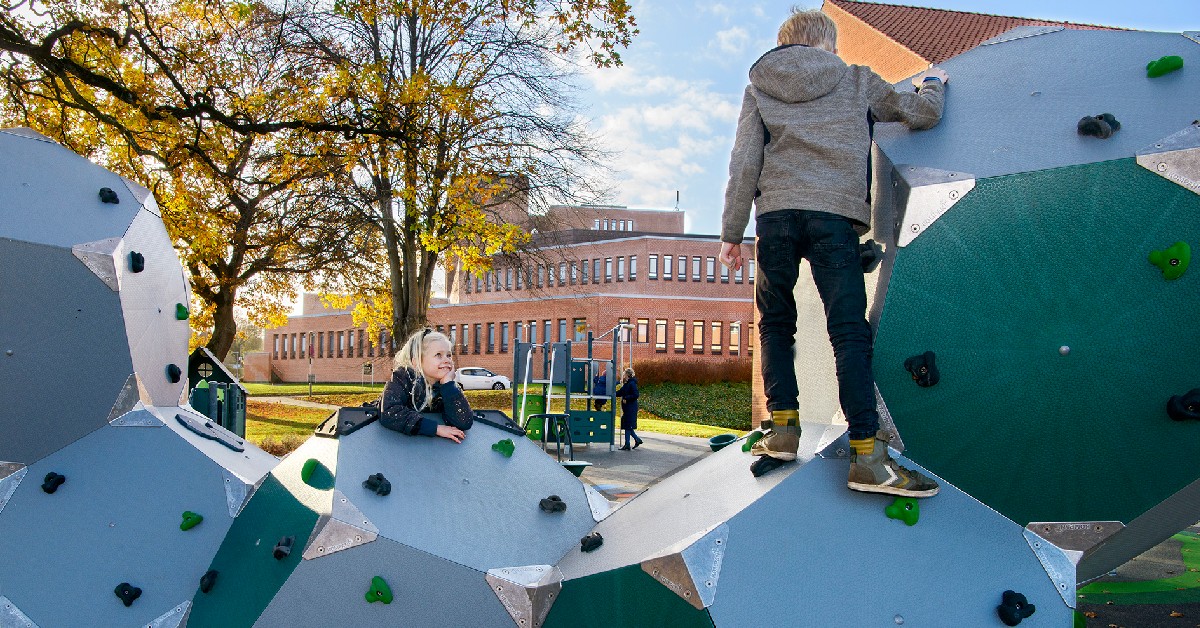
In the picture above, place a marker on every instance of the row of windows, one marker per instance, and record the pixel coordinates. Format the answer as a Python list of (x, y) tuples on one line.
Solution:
[(674, 268), (351, 343), (606, 224), (714, 337)]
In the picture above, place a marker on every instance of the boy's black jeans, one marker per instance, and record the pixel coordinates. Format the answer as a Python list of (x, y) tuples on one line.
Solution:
[(830, 244)]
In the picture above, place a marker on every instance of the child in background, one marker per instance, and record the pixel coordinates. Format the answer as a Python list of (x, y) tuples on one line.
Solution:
[(423, 381), (628, 393)]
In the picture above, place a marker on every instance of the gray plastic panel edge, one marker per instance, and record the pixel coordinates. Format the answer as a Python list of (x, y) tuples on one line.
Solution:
[(26, 132), (1021, 32), (346, 527), (11, 474), (1058, 563), (127, 400), (692, 568), (12, 617), (237, 492), (924, 195), (98, 257), (1175, 158), (1150, 528), (141, 193), (527, 593), (1192, 35), (598, 503), (173, 618), (138, 417)]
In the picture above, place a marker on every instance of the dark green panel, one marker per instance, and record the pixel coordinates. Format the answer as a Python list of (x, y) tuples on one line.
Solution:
[(1020, 266), (622, 597), (249, 576)]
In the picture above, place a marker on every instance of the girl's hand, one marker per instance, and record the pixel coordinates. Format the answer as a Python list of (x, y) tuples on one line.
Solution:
[(451, 433)]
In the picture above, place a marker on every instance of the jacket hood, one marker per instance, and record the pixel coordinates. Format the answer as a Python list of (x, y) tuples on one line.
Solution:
[(797, 73)]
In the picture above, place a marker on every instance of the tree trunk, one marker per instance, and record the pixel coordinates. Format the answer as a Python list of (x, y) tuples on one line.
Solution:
[(224, 325)]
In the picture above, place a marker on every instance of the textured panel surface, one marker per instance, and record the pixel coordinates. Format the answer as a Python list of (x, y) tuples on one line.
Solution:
[(52, 196), (115, 519), (427, 590), (835, 559), (465, 502), (1012, 107), (626, 597), (250, 465), (1025, 265), (54, 307)]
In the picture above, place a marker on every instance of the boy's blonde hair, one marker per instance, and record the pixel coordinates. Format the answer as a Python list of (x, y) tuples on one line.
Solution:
[(808, 28), (412, 354)]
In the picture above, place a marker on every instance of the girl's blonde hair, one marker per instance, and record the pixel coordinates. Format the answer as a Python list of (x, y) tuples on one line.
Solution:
[(808, 28), (412, 354), (627, 375)]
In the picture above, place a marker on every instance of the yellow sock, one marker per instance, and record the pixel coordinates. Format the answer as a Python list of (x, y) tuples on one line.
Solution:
[(785, 418), (863, 446)]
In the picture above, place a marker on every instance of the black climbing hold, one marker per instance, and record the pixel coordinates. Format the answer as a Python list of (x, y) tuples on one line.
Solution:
[(590, 542), (283, 548), (128, 593), (137, 262), (174, 373), (870, 253), (1186, 406), (1101, 125), (923, 369), (765, 465), (208, 580), (553, 503), (53, 481), (378, 484), (108, 196), (1013, 608)]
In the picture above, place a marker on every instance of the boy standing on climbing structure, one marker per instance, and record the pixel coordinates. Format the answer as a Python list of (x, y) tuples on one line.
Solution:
[(800, 157)]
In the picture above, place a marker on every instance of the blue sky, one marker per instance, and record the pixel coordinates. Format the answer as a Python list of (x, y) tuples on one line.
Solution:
[(669, 112)]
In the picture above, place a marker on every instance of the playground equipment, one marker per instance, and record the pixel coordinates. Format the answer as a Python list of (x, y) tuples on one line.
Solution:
[(216, 393), (560, 377)]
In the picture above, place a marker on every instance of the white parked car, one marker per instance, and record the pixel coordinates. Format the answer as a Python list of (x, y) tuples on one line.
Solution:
[(479, 378)]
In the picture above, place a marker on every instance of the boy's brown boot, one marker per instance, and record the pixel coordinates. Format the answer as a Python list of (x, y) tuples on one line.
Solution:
[(876, 472)]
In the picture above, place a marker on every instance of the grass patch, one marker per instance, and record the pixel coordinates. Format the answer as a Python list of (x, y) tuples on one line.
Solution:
[(725, 404), (1180, 589), (279, 428), (296, 390)]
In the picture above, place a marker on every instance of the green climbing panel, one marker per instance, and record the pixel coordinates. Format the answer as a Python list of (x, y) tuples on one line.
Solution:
[(1058, 344), (622, 597)]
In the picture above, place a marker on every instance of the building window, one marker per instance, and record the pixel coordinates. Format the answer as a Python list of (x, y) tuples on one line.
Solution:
[(499, 280), (520, 271), (361, 336), (541, 275), (478, 283), (680, 340), (462, 338), (275, 342), (519, 331), (350, 343), (652, 271), (478, 334), (533, 332), (491, 338), (320, 348), (562, 273), (574, 273), (453, 338), (735, 338), (715, 337), (596, 224), (623, 335), (329, 351), (620, 268), (580, 327), (548, 328), (631, 225), (737, 275), (724, 274), (660, 335), (682, 268), (607, 269), (668, 273), (710, 267), (562, 330), (467, 282), (697, 336), (596, 270), (751, 271), (487, 281), (508, 278), (695, 268), (643, 330), (341, 344), (503, 337), (606, 224), (632, 268)]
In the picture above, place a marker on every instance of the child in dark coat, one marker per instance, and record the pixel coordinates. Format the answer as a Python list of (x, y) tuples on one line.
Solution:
[(424, 382), (628, 393)]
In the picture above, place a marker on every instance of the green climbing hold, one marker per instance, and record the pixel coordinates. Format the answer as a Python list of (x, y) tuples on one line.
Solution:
[(190, 520), (379, 591), (905, 509), (751, 439), (181, 312), (1172, 261), (1164, 65), (306, 472), (505, 447)]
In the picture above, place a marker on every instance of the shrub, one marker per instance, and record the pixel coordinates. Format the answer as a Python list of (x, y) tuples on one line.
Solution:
[(684, 371), (282, 445)]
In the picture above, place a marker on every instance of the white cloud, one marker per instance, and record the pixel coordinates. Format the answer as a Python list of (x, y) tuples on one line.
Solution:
[(732, 40)]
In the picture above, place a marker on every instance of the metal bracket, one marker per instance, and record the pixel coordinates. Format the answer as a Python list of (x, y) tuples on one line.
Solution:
[(207, 429), (887, 424), (1175, 158), (692, 567), (11, 616), (599, 504), (527, 593), (173, 618), (839, 449), (237, 492), (344, 528), (11, 474), (1059, 562), (923, 195), (1192, 35), (127, 399), (138, 417), (1021, 32), (98, 257)]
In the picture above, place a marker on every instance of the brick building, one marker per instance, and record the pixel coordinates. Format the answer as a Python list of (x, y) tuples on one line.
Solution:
[(602, 266)]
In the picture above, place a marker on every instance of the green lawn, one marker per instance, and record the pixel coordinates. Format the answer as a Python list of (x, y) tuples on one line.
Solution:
[(295, 390)]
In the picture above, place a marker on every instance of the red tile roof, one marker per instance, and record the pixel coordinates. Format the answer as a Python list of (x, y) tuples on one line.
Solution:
[(938, 34)]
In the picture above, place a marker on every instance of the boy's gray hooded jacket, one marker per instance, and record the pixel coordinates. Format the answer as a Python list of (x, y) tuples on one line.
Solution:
[(803, 139)]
